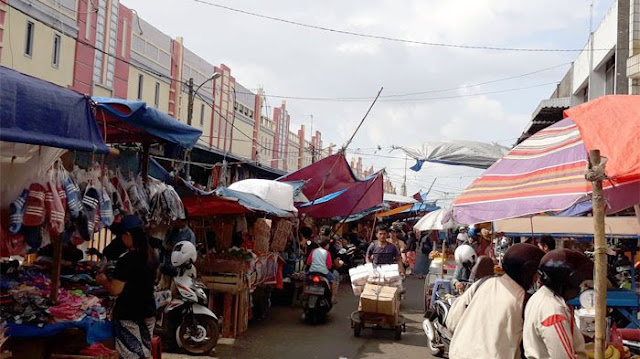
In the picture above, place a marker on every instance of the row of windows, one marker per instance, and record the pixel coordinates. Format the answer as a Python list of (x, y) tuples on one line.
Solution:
[(156, 97), (29, 41), (240, 108)]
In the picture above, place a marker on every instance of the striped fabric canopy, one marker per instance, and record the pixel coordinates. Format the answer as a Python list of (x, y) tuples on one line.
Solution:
[(546, 172)]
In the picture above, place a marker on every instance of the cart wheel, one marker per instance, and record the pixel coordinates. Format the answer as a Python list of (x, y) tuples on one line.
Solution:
[(357, 328), (398, 332)]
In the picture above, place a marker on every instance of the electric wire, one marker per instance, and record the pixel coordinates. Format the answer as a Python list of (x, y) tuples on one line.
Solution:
[(388, 38)]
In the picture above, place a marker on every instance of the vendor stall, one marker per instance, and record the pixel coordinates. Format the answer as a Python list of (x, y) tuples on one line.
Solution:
[(50, 206), (242, 237)]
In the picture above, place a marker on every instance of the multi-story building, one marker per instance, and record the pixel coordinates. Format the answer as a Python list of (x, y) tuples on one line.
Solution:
[(608, 64), (102, 48)]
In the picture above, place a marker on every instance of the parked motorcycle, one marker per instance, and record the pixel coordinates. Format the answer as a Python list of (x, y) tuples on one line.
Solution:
[(316, 298), (438, 336), (185, 320)]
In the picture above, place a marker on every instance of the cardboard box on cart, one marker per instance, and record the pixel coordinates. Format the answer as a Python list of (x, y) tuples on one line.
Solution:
[(379, 299)]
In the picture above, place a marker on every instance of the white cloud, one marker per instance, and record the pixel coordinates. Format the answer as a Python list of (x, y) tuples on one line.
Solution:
[(296, 61)]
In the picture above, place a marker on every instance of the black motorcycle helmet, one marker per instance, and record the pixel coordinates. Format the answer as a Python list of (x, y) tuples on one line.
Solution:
[(521, 262), (564, 270)]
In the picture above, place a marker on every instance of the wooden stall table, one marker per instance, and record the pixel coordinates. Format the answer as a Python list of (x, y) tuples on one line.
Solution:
[(229, 279)]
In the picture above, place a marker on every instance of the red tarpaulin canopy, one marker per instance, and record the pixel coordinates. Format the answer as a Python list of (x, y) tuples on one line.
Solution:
[(334, 190), (202, 206)]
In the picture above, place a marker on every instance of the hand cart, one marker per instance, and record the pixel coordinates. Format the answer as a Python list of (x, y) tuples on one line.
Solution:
[(363, 320)]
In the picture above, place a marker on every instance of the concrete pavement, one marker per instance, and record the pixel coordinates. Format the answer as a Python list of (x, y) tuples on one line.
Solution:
[(282, 335)]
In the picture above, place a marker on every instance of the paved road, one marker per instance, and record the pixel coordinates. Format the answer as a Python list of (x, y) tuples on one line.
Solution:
[(282, 335)]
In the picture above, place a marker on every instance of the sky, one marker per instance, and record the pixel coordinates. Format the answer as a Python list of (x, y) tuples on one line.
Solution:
[(295, 61)]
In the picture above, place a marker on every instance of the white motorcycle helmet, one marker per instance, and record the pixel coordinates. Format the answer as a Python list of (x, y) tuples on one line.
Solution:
[(465, 256), (184, 253)]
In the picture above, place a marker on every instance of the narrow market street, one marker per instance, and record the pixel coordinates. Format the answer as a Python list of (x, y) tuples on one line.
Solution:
[(283, 335)]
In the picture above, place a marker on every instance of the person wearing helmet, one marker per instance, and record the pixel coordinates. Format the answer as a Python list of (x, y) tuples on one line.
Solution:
[(549, 330), (465, 257), (133, 284), (462, 237), (487, 320)]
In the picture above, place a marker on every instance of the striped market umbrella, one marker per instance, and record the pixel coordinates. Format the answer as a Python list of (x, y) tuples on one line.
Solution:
[(546, 172)]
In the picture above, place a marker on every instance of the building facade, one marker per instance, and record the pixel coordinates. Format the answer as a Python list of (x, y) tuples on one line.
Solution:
[(608, 64), (103, 48)]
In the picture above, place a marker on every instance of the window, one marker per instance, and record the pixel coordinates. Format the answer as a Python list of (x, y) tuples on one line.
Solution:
[(87, 29), (28, 47), (123, 50), (202, 115), (140, 83), (55, 56), (156, 99)]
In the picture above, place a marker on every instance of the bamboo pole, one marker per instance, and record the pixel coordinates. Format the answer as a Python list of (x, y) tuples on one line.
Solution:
[(600, 248)]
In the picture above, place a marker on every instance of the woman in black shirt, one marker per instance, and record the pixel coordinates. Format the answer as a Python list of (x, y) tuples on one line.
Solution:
[(135, 309)]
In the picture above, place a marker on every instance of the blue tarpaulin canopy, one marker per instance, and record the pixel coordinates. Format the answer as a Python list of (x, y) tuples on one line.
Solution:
[(252, 202), (38, 112), (134, 121)]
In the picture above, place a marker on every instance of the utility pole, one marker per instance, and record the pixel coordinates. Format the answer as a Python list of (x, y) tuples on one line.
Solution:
[(404, 183), (192, 94), (313, 146), (189, 119)]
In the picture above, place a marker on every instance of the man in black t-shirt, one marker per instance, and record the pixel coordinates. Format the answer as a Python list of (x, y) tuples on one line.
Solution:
[(384, 252)]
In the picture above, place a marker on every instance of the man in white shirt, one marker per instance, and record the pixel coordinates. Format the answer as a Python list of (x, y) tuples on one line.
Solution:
[(487, 319), (549, 328)]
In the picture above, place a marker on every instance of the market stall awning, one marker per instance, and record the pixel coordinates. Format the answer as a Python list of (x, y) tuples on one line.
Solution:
[(227, 201), (134, 121), (436, 221), (279, 194), (458, 153), (393, 212), (567, 226), (356, 198), (211, 205), (37, 112), (409, 208), (390, 197), (324, 177), (547, 171)]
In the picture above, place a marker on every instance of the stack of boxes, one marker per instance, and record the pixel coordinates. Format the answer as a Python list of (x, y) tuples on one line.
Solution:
[(378, 287)]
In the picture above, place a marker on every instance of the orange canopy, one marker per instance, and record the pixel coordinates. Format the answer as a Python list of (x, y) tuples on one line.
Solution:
[(611, 124)]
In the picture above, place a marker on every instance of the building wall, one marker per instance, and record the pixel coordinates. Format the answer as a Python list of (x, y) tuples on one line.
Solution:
[(633, 64), (605, 37), (149, 85), (39, 63), (106, 48)]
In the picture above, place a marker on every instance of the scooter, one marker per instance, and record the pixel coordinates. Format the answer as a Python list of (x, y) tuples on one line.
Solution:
[(186, 320), (316, 298), (438, 336)]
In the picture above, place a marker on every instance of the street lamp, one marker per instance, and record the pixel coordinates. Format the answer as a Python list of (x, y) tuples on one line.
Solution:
[(192, 95)]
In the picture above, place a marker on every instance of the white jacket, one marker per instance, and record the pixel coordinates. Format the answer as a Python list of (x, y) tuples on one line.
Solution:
[(486, 320), (549, 329)]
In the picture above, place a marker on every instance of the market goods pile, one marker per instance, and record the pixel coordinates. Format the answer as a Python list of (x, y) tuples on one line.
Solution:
[(384, 275)]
